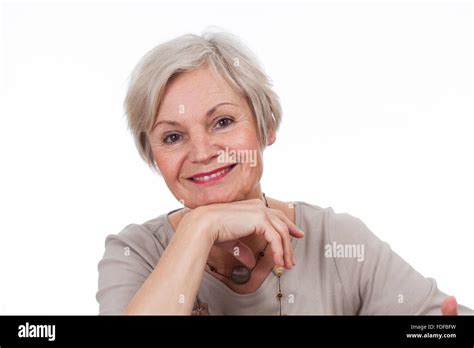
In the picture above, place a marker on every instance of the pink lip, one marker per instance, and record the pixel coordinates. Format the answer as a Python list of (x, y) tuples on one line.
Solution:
[(212, 180)]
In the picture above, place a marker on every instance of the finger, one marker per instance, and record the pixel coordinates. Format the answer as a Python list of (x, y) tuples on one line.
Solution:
[(283, 230), (273, 238), (240, 251), (449, 306), (294, 230)]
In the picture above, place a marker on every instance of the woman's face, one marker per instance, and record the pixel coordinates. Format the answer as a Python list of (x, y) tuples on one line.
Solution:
[(204, 126)]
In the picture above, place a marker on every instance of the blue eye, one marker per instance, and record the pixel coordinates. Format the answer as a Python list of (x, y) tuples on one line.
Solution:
[(224, 122), (172, 138)]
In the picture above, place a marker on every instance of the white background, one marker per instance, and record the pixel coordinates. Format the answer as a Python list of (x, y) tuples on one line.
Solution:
[(378, 120)]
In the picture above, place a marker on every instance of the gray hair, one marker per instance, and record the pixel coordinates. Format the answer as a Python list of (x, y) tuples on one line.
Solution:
[(221, 51)]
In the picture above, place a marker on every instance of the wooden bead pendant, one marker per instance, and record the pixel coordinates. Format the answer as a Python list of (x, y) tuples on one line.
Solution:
[(278, 271)]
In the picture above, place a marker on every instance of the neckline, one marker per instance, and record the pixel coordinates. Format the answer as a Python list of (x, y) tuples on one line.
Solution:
[(222, 286)]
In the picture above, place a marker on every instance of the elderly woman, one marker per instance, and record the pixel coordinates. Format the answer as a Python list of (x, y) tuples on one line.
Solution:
[(202, 111)]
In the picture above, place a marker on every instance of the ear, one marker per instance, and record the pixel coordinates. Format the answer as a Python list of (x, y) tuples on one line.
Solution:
[(271, 138)]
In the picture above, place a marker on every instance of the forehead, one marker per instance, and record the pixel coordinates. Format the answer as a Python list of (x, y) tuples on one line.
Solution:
[(197, 90)]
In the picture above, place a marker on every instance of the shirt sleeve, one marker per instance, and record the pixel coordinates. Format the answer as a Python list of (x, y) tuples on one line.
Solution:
[(129, 258), (375, 279)]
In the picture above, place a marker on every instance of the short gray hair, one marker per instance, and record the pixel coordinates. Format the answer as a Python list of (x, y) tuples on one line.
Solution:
[(223, 52)]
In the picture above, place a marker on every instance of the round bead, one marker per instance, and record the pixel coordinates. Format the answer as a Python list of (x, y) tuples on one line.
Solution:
[(278, 271), (240, 275)]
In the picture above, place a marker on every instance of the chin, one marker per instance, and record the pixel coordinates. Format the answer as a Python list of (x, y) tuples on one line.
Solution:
[(213, 198)]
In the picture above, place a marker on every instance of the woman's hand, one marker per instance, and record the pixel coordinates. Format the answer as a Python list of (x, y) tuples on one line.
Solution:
[(228, 222), (449, 306)]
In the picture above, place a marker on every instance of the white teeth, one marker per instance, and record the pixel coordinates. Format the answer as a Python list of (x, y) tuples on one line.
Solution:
[(207, 177)]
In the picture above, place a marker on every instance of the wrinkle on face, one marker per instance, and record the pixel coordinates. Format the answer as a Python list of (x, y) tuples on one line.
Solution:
[(185, 115)]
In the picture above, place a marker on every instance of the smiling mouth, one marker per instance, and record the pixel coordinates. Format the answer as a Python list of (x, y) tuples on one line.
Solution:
[(212, 176)]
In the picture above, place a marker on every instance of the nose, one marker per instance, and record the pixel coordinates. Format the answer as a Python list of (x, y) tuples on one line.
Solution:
[(202, 149)]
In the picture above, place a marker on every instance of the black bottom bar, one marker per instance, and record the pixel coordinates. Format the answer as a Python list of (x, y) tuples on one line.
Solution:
[(164, 331)]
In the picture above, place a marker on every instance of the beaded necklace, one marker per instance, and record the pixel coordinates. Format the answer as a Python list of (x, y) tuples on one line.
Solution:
[(241, 275)]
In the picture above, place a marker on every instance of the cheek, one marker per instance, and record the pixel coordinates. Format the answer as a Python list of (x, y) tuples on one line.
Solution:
[(247, 145), (168, 165), (244, 138), (251, 160)]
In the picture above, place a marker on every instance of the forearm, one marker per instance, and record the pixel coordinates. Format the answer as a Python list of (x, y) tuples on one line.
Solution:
[(172, 286)]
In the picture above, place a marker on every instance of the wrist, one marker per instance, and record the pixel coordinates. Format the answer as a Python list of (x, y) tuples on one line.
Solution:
[(198, 223)]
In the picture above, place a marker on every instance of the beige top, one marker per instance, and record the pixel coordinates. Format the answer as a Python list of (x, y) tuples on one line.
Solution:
[(341, 268)]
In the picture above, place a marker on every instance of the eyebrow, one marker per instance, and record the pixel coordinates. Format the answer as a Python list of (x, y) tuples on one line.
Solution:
[(208, 113)]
